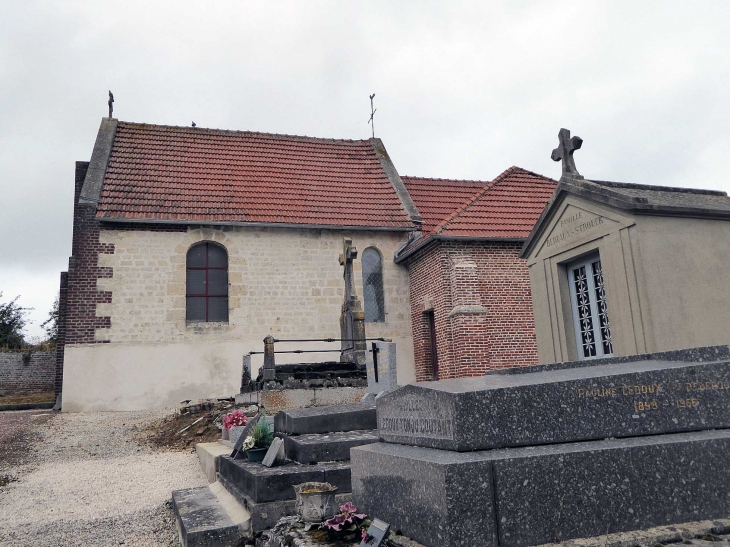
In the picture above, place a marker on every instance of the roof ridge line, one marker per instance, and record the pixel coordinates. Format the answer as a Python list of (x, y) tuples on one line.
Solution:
[(440, 227), (243, 131), (446, 180)]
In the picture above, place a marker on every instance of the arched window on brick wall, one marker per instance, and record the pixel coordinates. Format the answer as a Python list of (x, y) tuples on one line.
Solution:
[(206, 283), (372, 280)]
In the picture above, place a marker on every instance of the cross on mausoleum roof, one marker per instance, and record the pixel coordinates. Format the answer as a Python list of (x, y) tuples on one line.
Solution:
[(565, 150)]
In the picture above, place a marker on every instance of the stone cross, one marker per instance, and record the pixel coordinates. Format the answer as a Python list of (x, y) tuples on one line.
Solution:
[(349, 254), (565, 150), (352, 318)]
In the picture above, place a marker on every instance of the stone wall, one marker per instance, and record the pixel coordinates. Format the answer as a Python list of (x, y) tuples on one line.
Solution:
[(479, 293), (27, 372), (284, 282)]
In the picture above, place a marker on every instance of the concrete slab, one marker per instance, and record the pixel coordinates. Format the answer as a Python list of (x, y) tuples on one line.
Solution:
[(201, 519), (208, 455)]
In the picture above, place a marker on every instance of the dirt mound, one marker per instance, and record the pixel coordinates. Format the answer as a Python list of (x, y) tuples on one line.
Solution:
[(191, 424)]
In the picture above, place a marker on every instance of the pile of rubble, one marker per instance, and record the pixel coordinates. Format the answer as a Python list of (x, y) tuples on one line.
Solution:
[(192, 423)]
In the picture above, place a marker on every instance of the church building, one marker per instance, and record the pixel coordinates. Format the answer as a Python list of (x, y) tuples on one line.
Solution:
[(190, 245)]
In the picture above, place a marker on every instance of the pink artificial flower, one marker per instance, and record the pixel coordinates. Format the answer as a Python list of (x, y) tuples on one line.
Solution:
[(235, 418)]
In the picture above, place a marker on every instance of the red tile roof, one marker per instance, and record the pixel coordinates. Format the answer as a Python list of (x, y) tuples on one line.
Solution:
[(169, 173), (506, 208), (438, 199)]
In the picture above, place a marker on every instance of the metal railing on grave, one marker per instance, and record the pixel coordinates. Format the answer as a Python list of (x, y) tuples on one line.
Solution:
[(268, 370)]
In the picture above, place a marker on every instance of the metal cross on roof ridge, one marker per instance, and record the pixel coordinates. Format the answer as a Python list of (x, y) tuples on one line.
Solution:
[(565, 150), (372, 114)]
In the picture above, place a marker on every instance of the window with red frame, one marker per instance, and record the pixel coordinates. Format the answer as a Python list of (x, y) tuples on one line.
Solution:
[(206, 284)]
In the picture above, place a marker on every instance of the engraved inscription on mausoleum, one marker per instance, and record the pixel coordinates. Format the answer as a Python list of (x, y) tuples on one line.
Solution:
[(414, 416)]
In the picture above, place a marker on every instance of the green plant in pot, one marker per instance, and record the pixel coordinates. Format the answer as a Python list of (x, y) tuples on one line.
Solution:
[(258, 442)]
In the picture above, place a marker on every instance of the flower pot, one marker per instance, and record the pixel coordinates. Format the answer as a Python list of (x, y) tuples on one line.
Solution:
[(256, 454), (315, 506), (225, 434), (234, 433)]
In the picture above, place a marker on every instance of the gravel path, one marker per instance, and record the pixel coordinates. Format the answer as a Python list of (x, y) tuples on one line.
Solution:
[(82, 479)]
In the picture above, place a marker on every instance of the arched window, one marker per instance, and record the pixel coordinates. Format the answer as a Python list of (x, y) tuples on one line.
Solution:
[(372, 280), (206, 283)]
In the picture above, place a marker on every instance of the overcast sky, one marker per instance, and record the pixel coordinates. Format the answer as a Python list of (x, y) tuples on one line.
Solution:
[(463, 90)]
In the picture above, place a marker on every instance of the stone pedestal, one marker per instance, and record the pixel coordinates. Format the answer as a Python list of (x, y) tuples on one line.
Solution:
[(534, 495)]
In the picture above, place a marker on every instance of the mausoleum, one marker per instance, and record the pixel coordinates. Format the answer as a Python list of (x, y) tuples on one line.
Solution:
[(625, 269)]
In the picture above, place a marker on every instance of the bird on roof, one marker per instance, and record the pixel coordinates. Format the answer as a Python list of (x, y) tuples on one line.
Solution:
[(193, 124)]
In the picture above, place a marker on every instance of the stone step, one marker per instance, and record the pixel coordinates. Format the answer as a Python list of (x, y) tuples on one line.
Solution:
[(209, 516), (326, 447), (264, 484), (265, 515), (208, 454), (326, 419)]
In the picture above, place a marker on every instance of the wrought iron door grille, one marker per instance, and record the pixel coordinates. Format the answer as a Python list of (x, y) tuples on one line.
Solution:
[(602, 307), (585, 316)]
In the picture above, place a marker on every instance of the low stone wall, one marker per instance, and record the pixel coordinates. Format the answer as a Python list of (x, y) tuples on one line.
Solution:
[(27, 372)]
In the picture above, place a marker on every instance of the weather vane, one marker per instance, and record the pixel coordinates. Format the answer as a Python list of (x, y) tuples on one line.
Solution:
[(111, 103), (371, 121)]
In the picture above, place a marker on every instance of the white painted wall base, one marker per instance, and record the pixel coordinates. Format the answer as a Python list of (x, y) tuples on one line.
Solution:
[(134, 376)]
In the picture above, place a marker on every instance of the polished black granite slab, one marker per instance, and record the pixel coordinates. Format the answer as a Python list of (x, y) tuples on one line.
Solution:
[(326, 419), (531, 495), (621, 399), (263, 484)]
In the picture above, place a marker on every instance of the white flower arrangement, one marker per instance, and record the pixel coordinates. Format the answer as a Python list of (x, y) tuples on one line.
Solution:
[(248, 443)]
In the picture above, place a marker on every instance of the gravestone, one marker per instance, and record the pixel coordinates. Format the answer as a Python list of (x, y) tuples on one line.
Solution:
[(381, 367), (245, 433), (560, 453), (275, 453), (376, 533)]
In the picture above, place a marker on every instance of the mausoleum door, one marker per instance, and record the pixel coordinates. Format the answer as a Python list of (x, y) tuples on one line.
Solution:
[(589, 307)]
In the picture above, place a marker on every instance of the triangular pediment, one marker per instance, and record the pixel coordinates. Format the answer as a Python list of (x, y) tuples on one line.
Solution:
[(576, 222)]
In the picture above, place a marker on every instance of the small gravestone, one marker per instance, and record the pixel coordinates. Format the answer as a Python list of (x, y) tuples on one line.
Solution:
[(381, 368), (275, 454), (246, 430), (376, 534)]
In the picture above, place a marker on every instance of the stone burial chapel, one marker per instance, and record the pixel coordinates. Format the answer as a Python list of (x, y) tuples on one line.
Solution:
[(627, 269), (190, 245)]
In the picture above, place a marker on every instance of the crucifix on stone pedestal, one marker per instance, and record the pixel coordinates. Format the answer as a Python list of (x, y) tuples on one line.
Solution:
[(564, 152), (352, 318)]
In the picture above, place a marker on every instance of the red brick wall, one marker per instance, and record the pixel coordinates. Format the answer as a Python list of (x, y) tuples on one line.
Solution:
[(490, 283), (24, 372), (81, 321)]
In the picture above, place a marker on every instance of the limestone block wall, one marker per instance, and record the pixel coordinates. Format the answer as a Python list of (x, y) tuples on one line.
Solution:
[(27, 372), (284, 282)]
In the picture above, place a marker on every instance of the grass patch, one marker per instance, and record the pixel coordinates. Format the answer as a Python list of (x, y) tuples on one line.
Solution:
[(31, 398)]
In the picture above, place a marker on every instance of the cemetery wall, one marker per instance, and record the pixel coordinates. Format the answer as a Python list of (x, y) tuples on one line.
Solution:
[(480, 296), (27, 372), (284, 282)]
